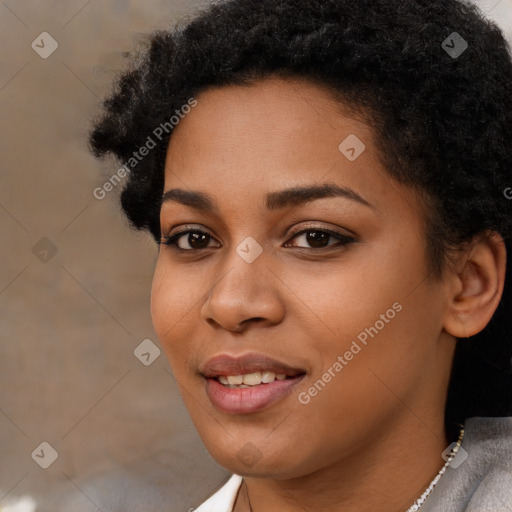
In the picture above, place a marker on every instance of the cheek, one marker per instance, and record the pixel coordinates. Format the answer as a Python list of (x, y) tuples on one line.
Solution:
[(379, 314), (159, 299), (174, 302), (344, 298)]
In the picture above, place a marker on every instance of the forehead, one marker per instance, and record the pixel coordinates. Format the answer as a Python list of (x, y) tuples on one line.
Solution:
[(274, 134)]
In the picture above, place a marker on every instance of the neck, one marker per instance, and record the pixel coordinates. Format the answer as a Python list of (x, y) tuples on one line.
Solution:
[(388, 474)]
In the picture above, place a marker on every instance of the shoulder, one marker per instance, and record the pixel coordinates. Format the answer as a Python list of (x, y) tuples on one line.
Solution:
[(224, 499), (491, 443), (480, 477)]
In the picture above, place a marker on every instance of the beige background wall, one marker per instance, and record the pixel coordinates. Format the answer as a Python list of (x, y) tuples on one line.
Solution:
[(69, 325)]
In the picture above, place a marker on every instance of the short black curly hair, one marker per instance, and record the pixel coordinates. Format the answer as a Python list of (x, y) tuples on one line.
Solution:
[(441, 114)]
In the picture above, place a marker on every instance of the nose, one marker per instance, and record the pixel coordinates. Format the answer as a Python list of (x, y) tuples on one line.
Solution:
[(246, 294)]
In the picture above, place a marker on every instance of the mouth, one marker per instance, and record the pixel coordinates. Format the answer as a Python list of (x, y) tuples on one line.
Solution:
[(251, 379), (249, 383)]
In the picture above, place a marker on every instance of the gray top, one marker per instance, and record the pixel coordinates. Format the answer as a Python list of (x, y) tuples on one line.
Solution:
[(483, 481)]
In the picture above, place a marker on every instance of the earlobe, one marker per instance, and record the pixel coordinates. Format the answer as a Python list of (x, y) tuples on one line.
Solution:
[(477, 286)]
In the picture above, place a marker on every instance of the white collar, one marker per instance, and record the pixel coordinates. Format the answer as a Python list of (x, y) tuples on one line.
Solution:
[(224, 499)]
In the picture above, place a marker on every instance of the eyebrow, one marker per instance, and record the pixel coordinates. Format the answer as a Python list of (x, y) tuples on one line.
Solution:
[(290, 197)]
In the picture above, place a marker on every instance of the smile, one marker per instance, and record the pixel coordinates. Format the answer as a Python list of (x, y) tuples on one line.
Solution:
[(250, 379), (248, 384)]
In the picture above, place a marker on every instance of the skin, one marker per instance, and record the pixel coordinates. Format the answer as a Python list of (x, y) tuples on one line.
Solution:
[(372, 438)]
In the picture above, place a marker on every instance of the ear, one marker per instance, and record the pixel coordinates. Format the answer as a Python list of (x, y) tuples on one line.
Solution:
[(475, 285)]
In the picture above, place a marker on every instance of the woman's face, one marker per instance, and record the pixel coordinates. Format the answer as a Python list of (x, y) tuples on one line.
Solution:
[(277, 273)]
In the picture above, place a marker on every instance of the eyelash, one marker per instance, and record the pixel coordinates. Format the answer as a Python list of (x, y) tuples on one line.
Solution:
[(171, 241)]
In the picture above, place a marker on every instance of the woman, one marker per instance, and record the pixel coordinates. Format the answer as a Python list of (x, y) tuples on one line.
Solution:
[(327, 181)]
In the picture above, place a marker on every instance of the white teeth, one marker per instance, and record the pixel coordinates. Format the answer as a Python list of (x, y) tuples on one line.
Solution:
[(267, 377), (235, 379), (252, 379)]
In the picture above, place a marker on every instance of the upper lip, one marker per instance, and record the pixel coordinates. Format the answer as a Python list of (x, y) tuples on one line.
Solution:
[(226, 364)]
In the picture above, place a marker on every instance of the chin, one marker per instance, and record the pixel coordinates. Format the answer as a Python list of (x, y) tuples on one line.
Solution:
[(250, 461)]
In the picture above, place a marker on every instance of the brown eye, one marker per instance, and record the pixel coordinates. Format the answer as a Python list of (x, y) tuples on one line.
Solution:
[(319, 238), (191, 240), (195, 240)]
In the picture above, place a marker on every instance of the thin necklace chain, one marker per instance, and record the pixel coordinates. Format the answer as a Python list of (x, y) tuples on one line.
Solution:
[(419, 502)]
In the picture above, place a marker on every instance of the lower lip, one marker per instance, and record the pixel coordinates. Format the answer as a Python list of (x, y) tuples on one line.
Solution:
[(249, 400)]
